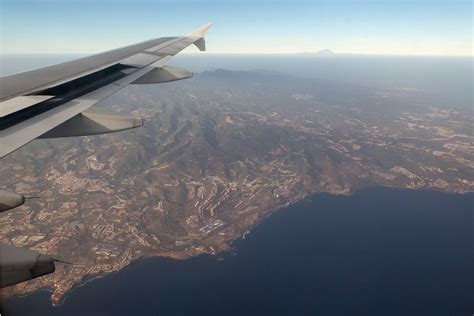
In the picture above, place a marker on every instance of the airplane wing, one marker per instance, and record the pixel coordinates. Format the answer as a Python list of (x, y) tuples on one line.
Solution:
[(57, 101)]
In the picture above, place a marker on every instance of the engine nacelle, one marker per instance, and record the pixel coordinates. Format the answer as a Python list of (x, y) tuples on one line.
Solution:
[(19, 265), (9, 200)]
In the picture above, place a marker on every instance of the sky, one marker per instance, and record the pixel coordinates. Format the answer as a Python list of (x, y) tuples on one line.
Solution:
[(384, 27)]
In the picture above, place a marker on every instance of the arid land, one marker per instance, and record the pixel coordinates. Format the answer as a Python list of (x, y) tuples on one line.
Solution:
[(218, 153)]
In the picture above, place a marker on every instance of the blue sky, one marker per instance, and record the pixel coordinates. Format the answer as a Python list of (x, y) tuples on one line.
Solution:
[(371, 27)]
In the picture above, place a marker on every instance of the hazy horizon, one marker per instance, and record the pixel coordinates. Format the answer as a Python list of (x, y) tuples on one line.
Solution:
[(447, 79)]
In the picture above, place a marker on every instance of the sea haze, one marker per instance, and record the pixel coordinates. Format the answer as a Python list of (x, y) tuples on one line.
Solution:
[(447, 79), (379, 252)]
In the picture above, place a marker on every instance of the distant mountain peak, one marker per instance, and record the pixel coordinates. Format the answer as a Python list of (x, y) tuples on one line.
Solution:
[(326, 52)]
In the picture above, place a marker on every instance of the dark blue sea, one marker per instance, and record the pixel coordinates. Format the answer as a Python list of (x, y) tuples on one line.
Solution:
[(378, 252)]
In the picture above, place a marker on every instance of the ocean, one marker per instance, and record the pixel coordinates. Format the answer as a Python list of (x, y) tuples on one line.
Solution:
[(381, 251)]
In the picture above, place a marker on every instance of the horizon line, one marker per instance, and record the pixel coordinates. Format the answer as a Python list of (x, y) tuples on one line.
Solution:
[(315, 54)]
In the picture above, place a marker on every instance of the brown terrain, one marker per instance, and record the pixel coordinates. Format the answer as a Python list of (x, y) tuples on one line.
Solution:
[(217, 154)]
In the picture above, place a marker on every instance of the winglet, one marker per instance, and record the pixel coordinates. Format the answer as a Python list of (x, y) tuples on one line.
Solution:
[(200, 31), (197, 36)]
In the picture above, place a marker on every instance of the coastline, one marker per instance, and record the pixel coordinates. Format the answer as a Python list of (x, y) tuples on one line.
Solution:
[(298, 239), (229, 246)]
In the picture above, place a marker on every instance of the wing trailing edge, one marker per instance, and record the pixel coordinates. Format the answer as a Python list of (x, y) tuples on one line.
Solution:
[(37, 102)]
